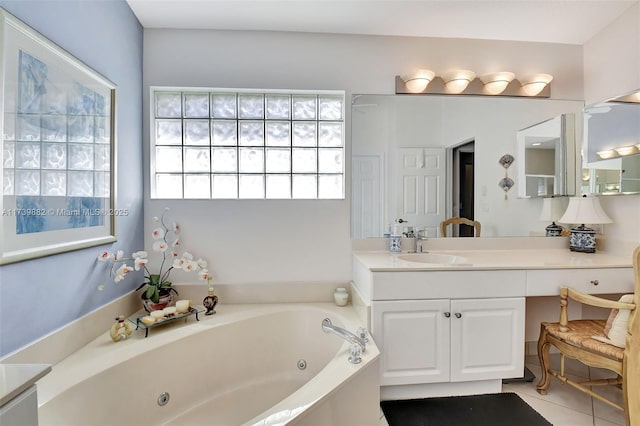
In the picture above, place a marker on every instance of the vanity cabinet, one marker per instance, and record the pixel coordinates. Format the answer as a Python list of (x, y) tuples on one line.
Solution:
[(449, 340)]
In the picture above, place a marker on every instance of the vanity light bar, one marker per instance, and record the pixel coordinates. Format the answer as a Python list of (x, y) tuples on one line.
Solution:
[(495, 84), (620, 151)]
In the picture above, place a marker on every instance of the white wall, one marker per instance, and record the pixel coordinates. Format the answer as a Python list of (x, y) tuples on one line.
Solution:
[(612, 68), (261, 241)]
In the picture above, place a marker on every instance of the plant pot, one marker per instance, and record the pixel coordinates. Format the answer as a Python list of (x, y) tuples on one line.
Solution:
[(165, 299)]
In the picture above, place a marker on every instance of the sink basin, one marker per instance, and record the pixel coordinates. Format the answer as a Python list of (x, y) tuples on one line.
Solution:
[(435, 258)]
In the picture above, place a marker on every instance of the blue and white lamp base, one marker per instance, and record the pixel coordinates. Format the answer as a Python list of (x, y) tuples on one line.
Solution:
[(583, 239)]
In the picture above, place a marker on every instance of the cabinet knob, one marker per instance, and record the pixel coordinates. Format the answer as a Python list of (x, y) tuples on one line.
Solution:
[(447, 314), (458, 315), (595, 282)]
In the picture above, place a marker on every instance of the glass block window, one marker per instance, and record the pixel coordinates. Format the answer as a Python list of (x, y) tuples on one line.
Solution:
[(247, 144)]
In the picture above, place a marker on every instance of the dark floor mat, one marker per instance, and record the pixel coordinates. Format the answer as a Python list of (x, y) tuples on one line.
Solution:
[(500, 409)]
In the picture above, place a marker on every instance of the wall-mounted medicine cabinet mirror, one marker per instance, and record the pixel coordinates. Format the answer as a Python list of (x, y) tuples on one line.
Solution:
[(547, 151), (611, 147)]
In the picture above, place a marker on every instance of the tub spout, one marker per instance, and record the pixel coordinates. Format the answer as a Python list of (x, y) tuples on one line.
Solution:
[(328, 327)]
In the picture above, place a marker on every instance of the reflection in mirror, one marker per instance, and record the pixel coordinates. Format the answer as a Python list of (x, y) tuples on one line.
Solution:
[(544, 149), (424, 158), (611, 150)]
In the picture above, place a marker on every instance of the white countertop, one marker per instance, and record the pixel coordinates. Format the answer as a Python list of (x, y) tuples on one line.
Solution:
[(16, 378), (380, 261)]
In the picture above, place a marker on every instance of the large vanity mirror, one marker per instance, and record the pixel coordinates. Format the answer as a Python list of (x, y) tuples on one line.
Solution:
[(611, 150), (544, 149), (426, 158)]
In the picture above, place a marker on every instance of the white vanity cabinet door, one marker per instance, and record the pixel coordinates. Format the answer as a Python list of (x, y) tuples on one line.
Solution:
[(487, 338), (413, 338)]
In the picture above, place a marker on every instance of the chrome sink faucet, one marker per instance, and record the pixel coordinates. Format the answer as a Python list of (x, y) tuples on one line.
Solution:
[(358, 344), (420, 239)]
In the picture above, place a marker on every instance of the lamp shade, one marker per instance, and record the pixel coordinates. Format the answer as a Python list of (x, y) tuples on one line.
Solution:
[(532, 85), (497, 82), (418, 81), (585, 210), (553, 209), (458, 80)]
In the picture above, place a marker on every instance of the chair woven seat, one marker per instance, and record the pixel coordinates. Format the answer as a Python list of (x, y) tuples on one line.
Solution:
[(612, 345), (581, 334)]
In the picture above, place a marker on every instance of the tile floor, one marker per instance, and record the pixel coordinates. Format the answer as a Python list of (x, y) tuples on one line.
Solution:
[(564, 405)]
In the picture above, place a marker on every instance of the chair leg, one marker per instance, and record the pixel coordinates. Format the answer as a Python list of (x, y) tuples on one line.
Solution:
[(543, 356)]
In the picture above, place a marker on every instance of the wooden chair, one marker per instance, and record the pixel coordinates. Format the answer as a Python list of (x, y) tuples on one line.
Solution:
[(575, 339), (459, 221)]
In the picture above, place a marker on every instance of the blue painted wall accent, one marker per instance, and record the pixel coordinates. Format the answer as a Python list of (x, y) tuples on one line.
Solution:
[(39, 296)]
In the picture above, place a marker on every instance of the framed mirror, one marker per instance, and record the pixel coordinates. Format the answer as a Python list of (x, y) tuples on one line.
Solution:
[(411, 154), (544, 149), (611, 148)]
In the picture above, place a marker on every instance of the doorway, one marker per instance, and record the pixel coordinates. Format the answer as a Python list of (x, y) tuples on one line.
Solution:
[(463, 186)]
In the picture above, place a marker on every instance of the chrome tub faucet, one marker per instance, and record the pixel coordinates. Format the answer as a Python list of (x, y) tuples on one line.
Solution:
[(358, 344)]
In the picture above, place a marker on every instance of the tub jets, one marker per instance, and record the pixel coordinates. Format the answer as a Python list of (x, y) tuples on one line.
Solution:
[(358, 344)]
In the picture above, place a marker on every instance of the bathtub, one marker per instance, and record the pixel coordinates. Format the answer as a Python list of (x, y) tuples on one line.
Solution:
[(246, 365)]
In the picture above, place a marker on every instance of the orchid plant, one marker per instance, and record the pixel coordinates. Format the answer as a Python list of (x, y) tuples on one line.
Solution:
[(166, 242)]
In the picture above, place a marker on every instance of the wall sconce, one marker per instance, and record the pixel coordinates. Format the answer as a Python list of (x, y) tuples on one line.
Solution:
[(553, 209), (457, 81), (534, 84), (496, 82), (418, 81), (584, 210)]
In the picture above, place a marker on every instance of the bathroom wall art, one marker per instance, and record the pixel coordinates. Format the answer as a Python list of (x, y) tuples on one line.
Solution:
[(58, 148), (506, 182)]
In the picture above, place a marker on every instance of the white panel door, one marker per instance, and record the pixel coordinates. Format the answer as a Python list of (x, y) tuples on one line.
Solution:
[(366, 195), (487, 338), (413, 337), (421, 192)]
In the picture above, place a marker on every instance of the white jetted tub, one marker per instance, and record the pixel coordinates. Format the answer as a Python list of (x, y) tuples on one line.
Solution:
[(241, 366)]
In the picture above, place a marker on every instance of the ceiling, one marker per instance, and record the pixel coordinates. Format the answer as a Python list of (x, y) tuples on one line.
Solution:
[(550, 21)]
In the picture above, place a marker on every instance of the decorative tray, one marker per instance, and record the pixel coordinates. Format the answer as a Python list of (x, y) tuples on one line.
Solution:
[(137, 320)]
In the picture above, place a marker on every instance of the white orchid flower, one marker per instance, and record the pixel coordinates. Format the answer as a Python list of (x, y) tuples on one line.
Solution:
[(160, 246), (179, 263), (176, 228), (202, 264), (104, 256), (140, 254), (119, 255), (176, 242), (140, 262), (122, 271), (155, 218), (190, 266), (203, 274), (158, 233), (187, 255)]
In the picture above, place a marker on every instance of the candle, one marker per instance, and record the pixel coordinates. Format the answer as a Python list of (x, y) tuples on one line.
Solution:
[(182, 305), (157, 314), (146, 320)]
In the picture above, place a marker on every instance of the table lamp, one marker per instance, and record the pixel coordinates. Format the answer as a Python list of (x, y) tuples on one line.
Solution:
[(552, 209), (584, 210)]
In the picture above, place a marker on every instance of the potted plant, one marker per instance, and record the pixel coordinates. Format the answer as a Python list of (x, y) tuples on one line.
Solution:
[(158, 289)]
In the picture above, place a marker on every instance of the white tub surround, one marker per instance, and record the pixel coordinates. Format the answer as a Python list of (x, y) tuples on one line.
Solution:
[(459, 327), (239, 366)]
